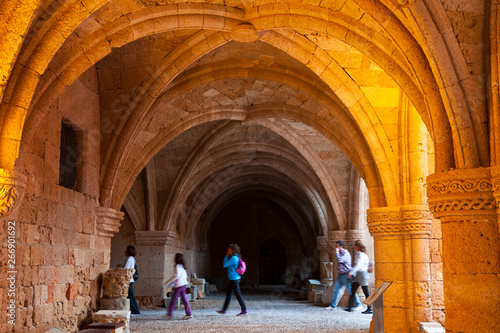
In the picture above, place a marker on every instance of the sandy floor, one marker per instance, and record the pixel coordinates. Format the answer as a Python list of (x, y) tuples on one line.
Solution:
[(267, 312)]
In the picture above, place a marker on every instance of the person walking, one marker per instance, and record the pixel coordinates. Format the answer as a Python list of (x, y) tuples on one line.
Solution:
[(360, 274), (343, 267), (180, 280), (130, 253), (231, 262)]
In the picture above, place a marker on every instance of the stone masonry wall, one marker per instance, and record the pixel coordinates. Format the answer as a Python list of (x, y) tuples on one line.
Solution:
[(59, 258)]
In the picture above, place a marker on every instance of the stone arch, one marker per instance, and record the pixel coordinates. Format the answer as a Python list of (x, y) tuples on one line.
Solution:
[(136, 20), (208, 174), (280, 128)]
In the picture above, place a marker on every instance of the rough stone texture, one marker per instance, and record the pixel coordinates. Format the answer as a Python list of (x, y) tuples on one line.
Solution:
[(112, 316), (115, 282), (116, 303)]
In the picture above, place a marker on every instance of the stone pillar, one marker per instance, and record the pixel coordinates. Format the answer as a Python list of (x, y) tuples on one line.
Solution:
[(402, 256), (155, 260), (464, 202), (325, 260)]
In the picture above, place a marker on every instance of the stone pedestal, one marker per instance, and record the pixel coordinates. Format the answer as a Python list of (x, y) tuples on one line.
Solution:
[(402, 256), (115, 303), (115, 284), (465, 203)]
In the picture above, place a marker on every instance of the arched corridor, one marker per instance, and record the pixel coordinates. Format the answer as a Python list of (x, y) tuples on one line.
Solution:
[(284, 126)]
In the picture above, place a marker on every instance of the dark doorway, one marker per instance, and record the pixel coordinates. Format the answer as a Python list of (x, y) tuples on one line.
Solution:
[(272, 263)]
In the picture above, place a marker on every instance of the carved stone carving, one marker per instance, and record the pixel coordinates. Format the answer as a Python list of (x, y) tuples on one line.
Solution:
[(410, 219), (323, 243), (115, 282), (460, 193), (108, 221), (11, 190), (326, 270), (155, 237)]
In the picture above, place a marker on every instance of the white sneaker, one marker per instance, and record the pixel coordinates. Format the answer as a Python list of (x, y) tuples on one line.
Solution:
[(330, 308), (359, 308), (187, 317)]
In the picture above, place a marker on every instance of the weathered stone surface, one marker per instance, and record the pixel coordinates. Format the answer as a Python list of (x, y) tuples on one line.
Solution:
[(115, 303), (112, 316), (116, 282)]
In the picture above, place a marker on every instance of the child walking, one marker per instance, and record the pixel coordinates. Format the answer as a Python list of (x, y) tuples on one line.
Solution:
[(181, 283)]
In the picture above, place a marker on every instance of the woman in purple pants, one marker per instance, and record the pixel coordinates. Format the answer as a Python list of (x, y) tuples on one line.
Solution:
[(180, 281)]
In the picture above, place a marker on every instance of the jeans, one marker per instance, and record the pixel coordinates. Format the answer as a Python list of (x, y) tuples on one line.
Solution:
[(234, 285), (133, 303), (182, 292), (342, 281)]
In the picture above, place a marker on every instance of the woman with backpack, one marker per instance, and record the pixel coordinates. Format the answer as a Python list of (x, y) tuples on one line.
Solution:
[(360, 274), (231, 262), (180, 280)]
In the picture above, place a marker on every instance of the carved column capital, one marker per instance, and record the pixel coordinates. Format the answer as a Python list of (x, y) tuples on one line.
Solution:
[(462, 194), (354, 235), (410, 219), (336, 235), (108, 221), (495, 180), (322, 242), (155, 237), (12, 185)]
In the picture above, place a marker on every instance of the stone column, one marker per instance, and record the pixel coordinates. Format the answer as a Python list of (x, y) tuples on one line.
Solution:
[(325, 260), (155, 265), (464, 202), (402, 256)]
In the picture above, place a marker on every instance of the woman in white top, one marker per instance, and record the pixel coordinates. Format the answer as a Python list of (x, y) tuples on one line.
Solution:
[(361, 275), (130, 253), (180, 281)]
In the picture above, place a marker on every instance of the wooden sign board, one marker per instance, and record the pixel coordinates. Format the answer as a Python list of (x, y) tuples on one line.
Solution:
[(377, 293)]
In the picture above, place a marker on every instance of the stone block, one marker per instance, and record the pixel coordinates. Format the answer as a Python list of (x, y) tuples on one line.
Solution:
[(114, 327), (318, 298), (115, 303), (167, 299), (318, 287), (310, 283), (112, 316), (200, 294), (116, 282), (431, 328)]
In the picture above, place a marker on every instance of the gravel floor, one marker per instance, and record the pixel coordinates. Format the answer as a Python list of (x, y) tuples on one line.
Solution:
[(267, 312)]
